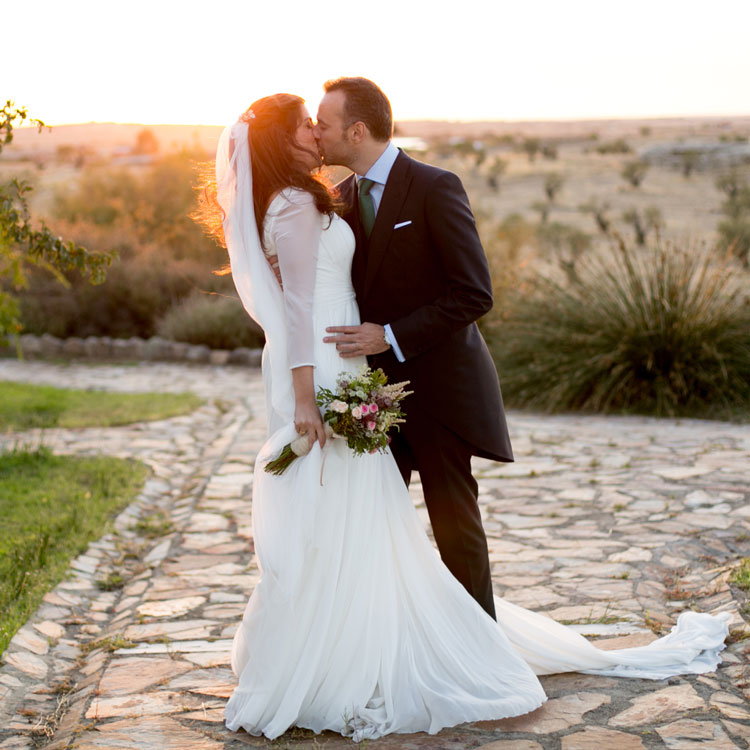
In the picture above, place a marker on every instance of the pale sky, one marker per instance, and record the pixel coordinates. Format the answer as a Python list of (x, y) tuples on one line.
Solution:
[(170, 61)]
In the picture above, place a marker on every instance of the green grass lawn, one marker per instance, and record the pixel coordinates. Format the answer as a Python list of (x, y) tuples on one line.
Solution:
[(51, 508), (25, 406)]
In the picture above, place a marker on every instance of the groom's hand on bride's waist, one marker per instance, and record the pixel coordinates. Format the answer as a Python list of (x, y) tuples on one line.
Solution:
[(358, 341)]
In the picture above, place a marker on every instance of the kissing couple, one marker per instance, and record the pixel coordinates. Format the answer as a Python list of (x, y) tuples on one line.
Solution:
[(357, 626)]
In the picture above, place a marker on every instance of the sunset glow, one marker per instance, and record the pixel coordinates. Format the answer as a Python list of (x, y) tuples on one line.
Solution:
[(203, 63)]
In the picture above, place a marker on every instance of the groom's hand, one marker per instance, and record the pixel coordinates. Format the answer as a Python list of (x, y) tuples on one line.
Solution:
[(356, 341)]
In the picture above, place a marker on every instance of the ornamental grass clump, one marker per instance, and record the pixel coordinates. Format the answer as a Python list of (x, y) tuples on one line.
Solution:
[(663, 331)]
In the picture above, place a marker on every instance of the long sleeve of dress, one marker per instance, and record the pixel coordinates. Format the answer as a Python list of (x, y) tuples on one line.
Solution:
[(295, 236)]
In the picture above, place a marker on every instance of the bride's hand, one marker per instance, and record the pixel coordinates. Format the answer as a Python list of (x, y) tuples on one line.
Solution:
[(307, 421)]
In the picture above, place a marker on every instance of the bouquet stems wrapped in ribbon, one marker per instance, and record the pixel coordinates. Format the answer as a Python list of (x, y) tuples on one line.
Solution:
[(362, 410)]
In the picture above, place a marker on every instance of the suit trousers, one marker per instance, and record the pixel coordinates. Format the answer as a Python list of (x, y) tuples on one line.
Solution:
[(443, 461)]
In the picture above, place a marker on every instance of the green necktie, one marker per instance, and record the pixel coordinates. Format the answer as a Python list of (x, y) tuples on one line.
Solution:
[(366, 205)]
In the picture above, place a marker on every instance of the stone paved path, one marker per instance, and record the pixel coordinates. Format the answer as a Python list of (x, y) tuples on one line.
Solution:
[(614, 525)]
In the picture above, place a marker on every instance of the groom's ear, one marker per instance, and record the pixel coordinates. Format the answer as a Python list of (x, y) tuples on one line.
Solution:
[(358, 132)]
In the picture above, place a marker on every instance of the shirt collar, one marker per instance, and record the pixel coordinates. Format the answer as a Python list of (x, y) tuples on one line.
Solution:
[(380, 170)]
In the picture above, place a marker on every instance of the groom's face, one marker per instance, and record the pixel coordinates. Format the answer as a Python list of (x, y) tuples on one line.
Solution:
[(331, 130)]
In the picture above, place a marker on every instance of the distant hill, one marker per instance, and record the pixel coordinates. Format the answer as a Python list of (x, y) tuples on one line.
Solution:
[(111, 138)]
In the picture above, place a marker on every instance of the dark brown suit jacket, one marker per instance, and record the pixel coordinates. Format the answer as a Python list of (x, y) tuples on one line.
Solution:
[(430, 280)]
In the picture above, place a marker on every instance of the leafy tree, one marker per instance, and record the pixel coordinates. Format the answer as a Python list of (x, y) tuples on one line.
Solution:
[(543, 208), (531, 147), (619, 146), (634, 172), (24, 245), (643, 223), (496, 168), (731, 182), (553, 183), (598, 209), (146, 142), (565, 242), (689, 161), (549, 151)]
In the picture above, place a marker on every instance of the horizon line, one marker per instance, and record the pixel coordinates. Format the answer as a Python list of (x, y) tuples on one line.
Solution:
[(454, 121)]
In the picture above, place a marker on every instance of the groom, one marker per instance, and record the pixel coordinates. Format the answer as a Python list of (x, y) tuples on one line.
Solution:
[(422, 280)]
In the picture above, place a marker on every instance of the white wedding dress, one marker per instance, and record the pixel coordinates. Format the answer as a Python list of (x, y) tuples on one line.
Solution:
[(356, 626)]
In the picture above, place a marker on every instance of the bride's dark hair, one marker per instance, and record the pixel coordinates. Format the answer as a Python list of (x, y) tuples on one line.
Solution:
[(276, 162)]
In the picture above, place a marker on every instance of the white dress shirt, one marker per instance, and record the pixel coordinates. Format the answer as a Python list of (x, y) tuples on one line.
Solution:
[(378, 173)]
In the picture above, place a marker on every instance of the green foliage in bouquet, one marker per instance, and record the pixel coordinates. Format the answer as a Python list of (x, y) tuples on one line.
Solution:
[(363, 409)]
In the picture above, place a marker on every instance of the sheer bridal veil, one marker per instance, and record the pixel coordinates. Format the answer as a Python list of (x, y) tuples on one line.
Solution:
[(253, 277)]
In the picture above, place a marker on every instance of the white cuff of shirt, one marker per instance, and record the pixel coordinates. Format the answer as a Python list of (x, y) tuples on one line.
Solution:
[(391, 339)]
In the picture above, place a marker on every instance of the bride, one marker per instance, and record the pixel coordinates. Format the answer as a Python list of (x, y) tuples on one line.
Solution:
[(356, 625)]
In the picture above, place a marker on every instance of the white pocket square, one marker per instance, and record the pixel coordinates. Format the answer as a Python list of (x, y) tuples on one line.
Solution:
[(402, 224)]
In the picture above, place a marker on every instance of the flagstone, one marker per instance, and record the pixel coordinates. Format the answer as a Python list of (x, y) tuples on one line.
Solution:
[(218, 682), (179, 590), (136, 589), (28, 639), (730, 706), (511, 745), (207, 522), (589, 612), (515, 521), (556, 715), (28, 663), (222, 612), (212, 715), (171, 607), (204, 542), (681, 472), (142, 704), (533, 597), (134, 674), (181, 647), (597, 738), (147, 733), (210, 658), (737, 730), (195, 562), (159, 552), (660, 705), (689, 733), (583, 494), (180, 630), (706, 520)]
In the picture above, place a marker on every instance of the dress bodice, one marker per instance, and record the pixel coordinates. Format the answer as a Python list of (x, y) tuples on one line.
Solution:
[(333, 258)]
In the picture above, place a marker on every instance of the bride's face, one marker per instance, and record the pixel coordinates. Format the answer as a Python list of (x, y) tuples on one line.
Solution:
[(305, 137)]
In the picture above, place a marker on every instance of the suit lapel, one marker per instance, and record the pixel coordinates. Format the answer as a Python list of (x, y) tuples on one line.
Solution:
[(396, 189)]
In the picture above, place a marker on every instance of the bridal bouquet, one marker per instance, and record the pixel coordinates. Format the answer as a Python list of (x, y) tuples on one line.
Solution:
[(361, 410)]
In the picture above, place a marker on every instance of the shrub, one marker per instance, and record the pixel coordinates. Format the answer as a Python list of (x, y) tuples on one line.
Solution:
[(734, 231), (566, 243), (634, 172), (153, 206), (643, 221), (660, 332), (553, 183), (137, 293), (598, 209), (216, 321), (619, 146), (531, 146)]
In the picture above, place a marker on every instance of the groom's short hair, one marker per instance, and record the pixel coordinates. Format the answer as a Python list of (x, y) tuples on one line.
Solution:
[(365, 102)]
